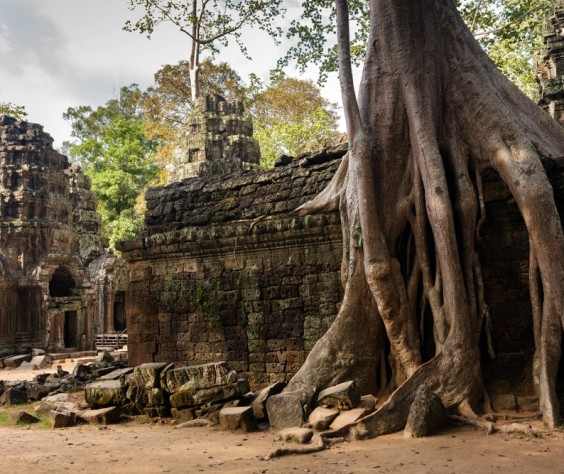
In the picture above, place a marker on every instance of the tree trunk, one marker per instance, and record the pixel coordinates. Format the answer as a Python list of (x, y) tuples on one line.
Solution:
[(433, 112)]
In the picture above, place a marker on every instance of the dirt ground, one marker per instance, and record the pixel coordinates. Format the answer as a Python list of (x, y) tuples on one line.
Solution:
[(154, 447)]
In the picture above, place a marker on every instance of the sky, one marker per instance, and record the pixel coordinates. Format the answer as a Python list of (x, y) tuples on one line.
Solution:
[(56, 54)]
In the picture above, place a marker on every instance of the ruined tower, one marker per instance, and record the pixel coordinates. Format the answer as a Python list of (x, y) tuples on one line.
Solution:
[(217, 138)]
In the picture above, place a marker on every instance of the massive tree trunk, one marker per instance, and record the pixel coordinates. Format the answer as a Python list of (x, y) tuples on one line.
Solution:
[(432, 113)]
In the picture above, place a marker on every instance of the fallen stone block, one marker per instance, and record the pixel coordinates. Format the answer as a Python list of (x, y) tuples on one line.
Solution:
[(157, 412), (23, 418), (102, 416), (368, 401), (105, 393), (237, 418), (201, 376), (321, 418), (343, 396), (37, 352), (14, 396), (348, 417), (118, 374), (41, 362), (286, 410), (426, 414), (104, 356), (147, 375), (296, 435), (182, 415), (189, 395), (36, 392), (46, 406), (15, 361), (62, 418), (504, 401), (146, 396), (259, 403)]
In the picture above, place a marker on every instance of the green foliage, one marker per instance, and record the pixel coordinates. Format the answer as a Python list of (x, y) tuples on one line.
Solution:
[(13, 110), (290, 116), (115, 152)]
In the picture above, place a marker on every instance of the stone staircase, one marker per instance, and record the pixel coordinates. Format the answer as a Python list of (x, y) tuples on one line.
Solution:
[(110, 342)]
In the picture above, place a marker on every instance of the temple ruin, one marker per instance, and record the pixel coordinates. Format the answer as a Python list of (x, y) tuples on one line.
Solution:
[(60, 288)]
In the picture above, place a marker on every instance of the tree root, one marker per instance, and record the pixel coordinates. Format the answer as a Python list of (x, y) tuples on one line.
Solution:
[(317, 443), (491, 427)]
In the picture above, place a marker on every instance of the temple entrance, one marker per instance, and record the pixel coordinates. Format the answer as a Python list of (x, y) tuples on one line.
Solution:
[(71, 329), (62, 283), (119, 311)]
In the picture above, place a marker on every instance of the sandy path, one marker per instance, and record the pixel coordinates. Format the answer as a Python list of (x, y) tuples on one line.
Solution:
[(154, 448)]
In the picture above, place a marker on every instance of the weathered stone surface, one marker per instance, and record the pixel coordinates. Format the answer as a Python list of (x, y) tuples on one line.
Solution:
[(348, 417), (104, 356), (182, 414), (15, 361), (41, 362), (62, 418), (286, 410), (118, 374), (321, 418), (102, 416), (343, 396), (368, 402), (14, 396), (190, 395), (23, 418), (237, 418), (427, 413), (259, 403), (36, 391), (198, 376), (146, 375), (156, 411), (105, 393), (296, 435), (504, 401), (146, 396)]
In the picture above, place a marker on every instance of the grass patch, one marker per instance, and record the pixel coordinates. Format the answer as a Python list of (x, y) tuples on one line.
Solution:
[(6, 417)]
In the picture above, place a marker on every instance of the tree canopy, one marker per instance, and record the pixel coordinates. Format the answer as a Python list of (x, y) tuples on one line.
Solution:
[(13, 110)]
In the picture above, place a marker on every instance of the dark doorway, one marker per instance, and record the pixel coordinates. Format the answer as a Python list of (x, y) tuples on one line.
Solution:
[(119, 311), (71, 329), (62, 283)]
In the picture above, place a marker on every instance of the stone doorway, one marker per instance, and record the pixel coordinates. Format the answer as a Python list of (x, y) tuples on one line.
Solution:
[(62, 283), (119, 311), (71, 329)]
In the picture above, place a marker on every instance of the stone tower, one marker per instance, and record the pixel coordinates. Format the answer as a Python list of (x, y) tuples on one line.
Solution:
[(217, 138), (550, 64)]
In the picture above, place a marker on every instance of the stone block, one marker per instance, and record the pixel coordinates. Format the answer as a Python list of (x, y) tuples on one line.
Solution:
[(118, 374), (14, 396), (286, 410), (504, 401), (348, 417), (182, 415), (321, 418), (188, 395), (237, 418), (23, 418), (16, 361), (259, 403), (62, 418), (201, 376), (36, 391), (102, 416), (368, 401), (146, 396), (105, 393), (343, 396), (157, 412), (147, 375), (426, 414)]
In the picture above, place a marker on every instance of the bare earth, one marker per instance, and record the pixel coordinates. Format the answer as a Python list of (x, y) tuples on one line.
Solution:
[(145, 447)]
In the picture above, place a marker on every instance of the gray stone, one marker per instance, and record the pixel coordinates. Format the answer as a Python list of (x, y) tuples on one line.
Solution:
[(62, 418), (105, 393), (14, 396), (147, 375), (145, 396), (37, 352), (200, 376), (368, 401), (36, 392), (104, 356), (23, 418), (286, 410), (505, 401), (296, 435), (426, 414), (102, 416), (118, 374), (343, 396), (321, 418), (16, 361), (182, 414), (348, 417), (259, 403), (237, 418), (41, 362), (190, 395)]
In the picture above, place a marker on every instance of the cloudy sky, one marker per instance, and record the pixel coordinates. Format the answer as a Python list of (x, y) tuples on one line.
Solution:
[(56, 54)]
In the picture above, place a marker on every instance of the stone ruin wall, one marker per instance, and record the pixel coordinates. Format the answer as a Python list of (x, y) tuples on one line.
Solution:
[(208, 285), (57, 281)]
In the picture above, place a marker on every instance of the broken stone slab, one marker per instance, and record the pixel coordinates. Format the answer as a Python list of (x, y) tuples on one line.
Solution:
[(259, 403), (37, 363), (296, 435), (37, 352), (104, 356), (504, 401), (426, 414), (23, 418), (118, 374), (16, 360), (101, 416), (157, 412), (46, 406), (237, 418), (182, 414), (82, 372), (36, 391), (321, 418), (202, 376), (14, 396), (286, 410), (147, 375), (348, 417), (105, 393), (189, 396), (368, 401), (343, 396), (146, 396), (62, 418)]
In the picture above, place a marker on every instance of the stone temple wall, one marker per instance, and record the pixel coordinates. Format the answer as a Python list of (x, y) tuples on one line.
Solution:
[(52, 258), (211, 280)]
